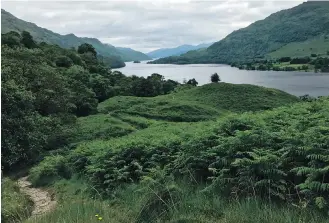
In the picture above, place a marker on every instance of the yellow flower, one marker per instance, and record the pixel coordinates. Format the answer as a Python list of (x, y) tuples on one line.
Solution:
[(100, 218), (96, 215)]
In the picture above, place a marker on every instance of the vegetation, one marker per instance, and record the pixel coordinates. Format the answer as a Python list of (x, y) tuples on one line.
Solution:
[(133, 149), (113, 56), (215, 78), (320, 64), (318, 45), (17, 206), (136, 61), (277, 164), (44, 88), (296, 28)]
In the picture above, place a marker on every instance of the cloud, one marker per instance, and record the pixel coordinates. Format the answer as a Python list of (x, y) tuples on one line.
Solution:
[(146, 25)]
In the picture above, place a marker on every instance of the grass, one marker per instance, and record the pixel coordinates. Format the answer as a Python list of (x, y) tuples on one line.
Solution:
[(287, 64), (318, 45), (15, 206), (120, 147), (188, 205), (101, 126), (235, 97), (158, 108), (200, 103)]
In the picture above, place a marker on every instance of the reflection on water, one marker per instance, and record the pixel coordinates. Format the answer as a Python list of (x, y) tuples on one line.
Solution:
[(297, 83)]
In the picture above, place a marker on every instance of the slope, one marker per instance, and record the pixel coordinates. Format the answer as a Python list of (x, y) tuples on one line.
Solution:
[(12, 23), (318, 46), (129, 54), (199, 103), (301, 23), (166, 52)]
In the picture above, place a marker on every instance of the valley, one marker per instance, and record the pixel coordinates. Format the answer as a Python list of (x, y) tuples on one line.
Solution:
[(97, 133)]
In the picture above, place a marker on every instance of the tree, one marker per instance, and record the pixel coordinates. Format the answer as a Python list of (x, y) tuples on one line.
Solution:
[(63, 61), (11, 39), (192, 82), (87, 48), (215, 78), (27, 40)]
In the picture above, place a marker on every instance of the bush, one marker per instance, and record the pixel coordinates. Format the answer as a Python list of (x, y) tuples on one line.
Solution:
[(215, 78), (49, 170)]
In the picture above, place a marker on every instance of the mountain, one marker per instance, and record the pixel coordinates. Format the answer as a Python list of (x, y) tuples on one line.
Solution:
[(129, 54), (12, 23), (303, 23), (166, 52)]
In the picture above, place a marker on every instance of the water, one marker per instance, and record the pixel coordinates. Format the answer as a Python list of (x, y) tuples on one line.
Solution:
[(296, 83)]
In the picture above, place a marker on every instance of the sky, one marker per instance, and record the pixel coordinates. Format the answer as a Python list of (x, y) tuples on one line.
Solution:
[(146, 25)]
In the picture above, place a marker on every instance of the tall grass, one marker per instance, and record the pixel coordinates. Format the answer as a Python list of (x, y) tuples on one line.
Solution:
[(15, 205), (160, 202)]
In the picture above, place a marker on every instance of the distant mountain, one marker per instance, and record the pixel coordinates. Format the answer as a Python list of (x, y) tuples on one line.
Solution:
[(130, 55), (12, 23), (166, 52), (287, 32)]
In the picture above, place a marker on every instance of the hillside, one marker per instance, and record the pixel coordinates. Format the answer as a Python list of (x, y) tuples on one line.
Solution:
[(194, 168), (166, 52), (129, 54), (318, 45), (115, 56), (302, 23)]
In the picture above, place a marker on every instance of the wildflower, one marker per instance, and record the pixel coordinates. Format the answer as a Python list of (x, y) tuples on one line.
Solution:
[(96, 215), (100, 218)]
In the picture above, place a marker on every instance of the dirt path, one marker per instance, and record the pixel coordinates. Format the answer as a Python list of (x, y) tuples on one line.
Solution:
[(42, 199)]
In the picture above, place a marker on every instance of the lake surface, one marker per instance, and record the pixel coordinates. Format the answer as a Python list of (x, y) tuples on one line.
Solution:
[(296, 83)]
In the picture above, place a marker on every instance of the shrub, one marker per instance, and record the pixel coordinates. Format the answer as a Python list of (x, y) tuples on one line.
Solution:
[(215, 78), (49, 170)]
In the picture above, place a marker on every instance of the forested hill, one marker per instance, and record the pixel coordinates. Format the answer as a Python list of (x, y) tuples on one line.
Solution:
[(304, 22), (131, 55), (114, 56)]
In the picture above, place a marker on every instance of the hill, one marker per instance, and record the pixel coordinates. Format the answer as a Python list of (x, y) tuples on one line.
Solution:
[(166, 52), (199, 103), (129, 54), (304, 22), (195, 169), (115, 56), (318, 45)]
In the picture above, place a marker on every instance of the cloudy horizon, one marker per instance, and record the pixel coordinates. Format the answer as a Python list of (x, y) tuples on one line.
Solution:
[(146, 25)]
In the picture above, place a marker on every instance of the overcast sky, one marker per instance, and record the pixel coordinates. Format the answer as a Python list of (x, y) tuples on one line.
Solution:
[(146, 25)]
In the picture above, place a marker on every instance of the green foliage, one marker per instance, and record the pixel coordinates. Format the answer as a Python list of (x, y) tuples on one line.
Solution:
[(317, 45), (49, 170), (215, 78), (159, 199), (275, 155), (87, 48), (100, 126), (16, 206), (63, 61), (27, 40), (160, 108), (192, 82), (234, 97), (300, 24)]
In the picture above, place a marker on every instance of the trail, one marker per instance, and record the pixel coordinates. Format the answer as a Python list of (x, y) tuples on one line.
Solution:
[(41, 198)]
